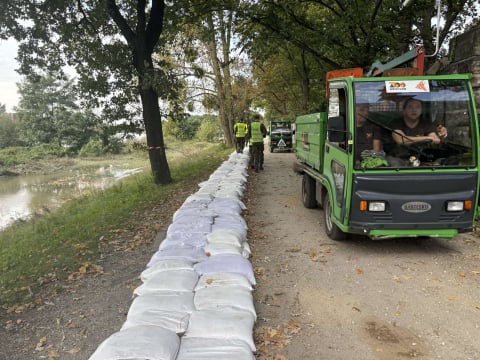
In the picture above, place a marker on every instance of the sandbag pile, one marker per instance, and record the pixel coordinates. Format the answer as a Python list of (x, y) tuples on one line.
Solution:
[(195, 300)]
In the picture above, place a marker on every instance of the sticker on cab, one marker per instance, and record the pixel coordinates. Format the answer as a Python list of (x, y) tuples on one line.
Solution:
[(393, 86)]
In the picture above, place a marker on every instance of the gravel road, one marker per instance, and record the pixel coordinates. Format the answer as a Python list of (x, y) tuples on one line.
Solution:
[(357, 299)]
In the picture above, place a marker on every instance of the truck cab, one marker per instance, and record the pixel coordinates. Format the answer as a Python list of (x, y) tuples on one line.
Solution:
[(280, 136), (404, 188)]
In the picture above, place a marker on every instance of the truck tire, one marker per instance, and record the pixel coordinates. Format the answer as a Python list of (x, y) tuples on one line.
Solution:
[(332, 230), (308, 192)]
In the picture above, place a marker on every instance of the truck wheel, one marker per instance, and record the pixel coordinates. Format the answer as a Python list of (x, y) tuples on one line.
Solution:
[(308, 192), (332, 230)]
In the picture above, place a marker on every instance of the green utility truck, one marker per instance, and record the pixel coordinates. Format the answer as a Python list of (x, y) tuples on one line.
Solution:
[(280, 136), (411, 189)]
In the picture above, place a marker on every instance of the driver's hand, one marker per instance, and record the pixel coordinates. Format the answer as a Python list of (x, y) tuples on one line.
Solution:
[(434, 138), (442, 132)]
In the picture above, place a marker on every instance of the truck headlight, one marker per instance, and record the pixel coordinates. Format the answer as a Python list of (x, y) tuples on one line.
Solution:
[(376, 206), (459, 205)]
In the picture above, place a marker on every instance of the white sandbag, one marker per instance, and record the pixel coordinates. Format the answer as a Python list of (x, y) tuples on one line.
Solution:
[(139, 342), (215, 249), (174, 321), (190, 253), (184, 239), (228, 325), (235, 189), (194, 218), (220, 248), (228, 194), (246, 250), (224, 298), (199, 226), (223, 280), (208, 187), (199, 198), (165, 265), (170, 310), (173, 280), (180, 301), (214, 349), (226, 236), (231, 219), (227, 206), (199, 203), (193, 211), (226, 263), (229, 225)]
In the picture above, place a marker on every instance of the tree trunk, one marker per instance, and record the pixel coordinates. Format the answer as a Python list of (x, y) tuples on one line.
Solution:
[(305, 83), (154, 131), (221, 71)]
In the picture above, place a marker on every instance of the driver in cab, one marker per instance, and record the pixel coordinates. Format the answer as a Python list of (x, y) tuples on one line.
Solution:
[(412, 128)]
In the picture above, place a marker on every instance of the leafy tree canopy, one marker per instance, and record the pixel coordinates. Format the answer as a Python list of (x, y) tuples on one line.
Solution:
[(49, 113), (294, 43)]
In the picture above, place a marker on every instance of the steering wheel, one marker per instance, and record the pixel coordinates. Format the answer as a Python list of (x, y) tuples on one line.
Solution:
[(419, 147), (421, 143)]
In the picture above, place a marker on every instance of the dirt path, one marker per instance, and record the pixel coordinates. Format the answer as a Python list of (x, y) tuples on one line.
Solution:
[(358, 299), (315, 299)]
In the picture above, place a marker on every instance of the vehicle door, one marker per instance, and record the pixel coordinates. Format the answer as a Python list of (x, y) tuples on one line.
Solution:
[(338, 149)]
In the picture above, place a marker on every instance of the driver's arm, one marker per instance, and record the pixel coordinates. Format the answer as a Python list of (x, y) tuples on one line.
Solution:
[(400, 138)]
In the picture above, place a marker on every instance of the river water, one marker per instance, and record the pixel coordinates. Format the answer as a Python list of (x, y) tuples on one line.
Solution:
[(23, 196)]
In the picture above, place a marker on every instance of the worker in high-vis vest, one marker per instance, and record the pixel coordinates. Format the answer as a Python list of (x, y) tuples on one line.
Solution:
[(240, 130), (256, 132)]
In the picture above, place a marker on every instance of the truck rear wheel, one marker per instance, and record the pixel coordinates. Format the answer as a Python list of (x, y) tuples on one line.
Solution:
[(332, 230), (308, 192)]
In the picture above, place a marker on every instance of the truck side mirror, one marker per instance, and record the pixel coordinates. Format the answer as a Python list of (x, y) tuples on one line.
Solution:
[(336, 129)]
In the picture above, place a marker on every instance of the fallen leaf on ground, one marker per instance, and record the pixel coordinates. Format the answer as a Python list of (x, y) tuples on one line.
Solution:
[(73, 351), (41, 344)]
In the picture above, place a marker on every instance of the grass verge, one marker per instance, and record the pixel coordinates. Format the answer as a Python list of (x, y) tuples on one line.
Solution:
[(51, 247)]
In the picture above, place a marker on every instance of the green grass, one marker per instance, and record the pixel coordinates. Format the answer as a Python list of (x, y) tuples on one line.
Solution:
[(50, 247)]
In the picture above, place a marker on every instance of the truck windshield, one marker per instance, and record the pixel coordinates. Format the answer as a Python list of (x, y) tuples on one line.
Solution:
[(413, 123)]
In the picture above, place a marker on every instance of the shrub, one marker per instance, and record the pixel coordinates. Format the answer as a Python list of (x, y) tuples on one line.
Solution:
[(92, 148), (208, 131)]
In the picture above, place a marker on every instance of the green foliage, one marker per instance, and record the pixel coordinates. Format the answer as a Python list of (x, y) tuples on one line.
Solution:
[(115, 146), (183, 127), (21, 155), (139, 145), (8, 132), (49, 114), (293, 44), (91, 149), (208, 131), (187, 127), (170, 129)]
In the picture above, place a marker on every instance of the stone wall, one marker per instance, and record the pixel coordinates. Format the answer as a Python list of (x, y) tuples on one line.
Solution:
[(465, 58)]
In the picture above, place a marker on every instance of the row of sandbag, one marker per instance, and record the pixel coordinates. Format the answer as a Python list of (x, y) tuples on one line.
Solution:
[(195, 300)]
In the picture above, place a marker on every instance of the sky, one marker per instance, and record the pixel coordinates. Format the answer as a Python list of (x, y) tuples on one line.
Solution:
[(8, 76)]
